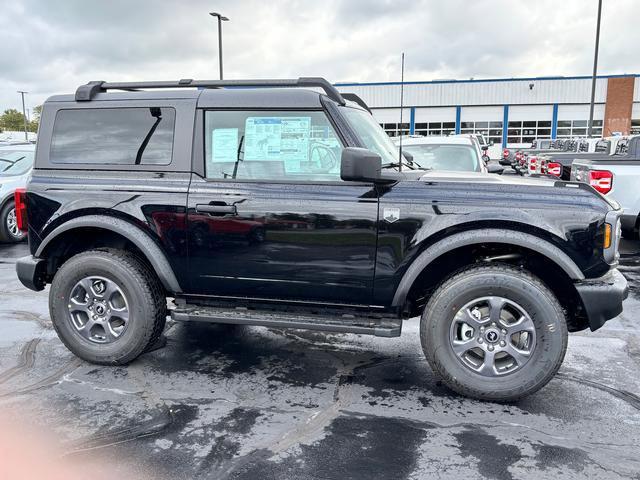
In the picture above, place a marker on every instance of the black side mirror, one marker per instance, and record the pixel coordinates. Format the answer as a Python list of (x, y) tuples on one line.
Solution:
[(408, 156), (493, 168), (485, 148), (360, 165)]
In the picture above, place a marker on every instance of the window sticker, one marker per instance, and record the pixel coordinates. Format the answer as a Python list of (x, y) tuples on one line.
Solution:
[(224, 143), (284, 139)]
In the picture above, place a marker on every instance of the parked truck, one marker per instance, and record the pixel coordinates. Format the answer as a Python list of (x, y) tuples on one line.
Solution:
[(618, 177), (291, 208)]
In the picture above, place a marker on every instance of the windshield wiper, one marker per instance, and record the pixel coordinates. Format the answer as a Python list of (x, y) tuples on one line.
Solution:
[(10, 162), (397, 165)]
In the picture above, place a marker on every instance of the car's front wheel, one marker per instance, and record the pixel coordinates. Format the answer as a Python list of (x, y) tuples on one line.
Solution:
[(494, 333), (9, 231), (107, 307)]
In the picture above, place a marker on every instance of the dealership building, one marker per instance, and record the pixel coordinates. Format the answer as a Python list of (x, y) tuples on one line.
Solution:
[(512, 111)]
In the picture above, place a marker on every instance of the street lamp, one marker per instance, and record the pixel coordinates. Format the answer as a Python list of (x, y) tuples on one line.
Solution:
[(595, 71), (24, 115), (221, 19)]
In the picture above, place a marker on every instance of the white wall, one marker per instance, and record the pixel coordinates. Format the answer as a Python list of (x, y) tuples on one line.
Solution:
[(436, 114)]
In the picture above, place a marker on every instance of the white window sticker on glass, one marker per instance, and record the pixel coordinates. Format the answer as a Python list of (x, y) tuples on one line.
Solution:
[(225, 145), (283, 139)]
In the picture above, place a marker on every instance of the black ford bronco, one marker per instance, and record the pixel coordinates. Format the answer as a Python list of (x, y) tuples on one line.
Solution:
[(250, 203)]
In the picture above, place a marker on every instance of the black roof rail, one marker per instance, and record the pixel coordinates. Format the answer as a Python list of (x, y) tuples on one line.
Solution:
[(352, 97), (87, 92)]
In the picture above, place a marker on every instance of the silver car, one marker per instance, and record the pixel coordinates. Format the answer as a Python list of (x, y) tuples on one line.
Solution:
[(16, 162)]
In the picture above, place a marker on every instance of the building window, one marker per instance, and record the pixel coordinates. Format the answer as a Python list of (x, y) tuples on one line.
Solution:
[(435, 128), (492, 131), (395, 129), (635, 127), (578, 128), (528, 130)]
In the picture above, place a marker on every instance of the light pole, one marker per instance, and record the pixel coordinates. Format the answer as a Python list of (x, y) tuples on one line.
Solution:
[(221, 19), (595, 70), (24, 115)]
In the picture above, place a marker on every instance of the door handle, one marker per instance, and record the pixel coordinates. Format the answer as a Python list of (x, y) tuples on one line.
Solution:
[(216, 209)]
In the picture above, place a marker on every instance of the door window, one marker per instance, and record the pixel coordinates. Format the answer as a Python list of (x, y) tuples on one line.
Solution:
[(271, 145)]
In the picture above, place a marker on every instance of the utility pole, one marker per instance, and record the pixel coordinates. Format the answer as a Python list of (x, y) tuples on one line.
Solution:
[(24, 115), (221, 19), (595, 71)]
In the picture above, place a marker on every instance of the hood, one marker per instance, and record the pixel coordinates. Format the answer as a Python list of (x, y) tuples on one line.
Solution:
[(486, 178)]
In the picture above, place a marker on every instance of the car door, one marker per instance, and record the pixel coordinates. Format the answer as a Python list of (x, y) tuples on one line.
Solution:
[(271, 219)]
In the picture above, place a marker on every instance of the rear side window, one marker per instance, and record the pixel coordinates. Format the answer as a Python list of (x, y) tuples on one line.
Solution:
[(114, 136)]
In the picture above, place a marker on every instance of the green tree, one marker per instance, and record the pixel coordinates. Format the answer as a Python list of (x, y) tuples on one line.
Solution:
[(12, 119)]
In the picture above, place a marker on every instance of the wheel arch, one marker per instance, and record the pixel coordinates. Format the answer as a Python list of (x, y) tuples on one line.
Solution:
[(458, 250), (129, 232)]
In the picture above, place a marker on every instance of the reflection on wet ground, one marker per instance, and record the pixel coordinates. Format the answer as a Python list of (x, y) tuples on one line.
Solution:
[(247, 402)]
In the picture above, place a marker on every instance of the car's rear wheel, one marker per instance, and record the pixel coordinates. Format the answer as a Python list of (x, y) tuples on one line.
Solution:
[(494, 333), (107, 307), (9, 231)]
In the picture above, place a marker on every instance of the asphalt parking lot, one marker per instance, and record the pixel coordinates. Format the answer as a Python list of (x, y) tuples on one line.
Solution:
[(249, 402)]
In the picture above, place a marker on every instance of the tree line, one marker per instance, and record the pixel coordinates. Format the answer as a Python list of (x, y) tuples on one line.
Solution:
[(13, 120)]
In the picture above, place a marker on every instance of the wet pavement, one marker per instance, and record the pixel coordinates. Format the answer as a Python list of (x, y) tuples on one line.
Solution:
[(250, 402)]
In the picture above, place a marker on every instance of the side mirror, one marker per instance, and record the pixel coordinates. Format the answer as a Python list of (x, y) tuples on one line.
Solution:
[(360, 165), (493, 168), (408, 156), (485, 148)]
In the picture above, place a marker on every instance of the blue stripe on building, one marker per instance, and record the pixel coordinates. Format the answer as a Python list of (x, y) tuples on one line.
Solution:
[(554, 122), (412, 121), (505, 125), (458, 117)]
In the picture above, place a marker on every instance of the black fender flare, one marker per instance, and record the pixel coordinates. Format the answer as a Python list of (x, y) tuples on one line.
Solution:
[(131, 232), (489, 235)]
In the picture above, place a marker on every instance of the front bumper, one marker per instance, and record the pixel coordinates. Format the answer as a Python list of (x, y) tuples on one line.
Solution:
[(602, 297), (31, 272)]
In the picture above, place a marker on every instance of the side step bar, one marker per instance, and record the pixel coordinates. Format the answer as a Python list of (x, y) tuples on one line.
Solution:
[(380, 327)]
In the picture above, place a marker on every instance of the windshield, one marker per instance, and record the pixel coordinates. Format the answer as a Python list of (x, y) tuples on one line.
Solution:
[(438, 156), (15, 162), (371, 134)]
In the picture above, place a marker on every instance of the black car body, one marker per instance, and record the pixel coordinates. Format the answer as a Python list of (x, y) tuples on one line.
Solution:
[(341, 247)]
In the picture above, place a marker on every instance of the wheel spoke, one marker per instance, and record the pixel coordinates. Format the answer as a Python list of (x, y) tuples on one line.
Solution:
[(85, 331), (519, 356), (495, 308), (470, 319), (487, 368), (524, 324), (460, 348)]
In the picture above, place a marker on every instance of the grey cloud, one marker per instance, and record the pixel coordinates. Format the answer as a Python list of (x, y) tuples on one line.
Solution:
[(51, 47)]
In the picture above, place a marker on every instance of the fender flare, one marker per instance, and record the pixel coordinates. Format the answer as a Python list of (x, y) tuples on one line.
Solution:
[(134, 234), (490, 235)]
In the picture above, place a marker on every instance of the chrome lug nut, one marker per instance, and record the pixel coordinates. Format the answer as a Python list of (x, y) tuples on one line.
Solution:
[(479, 340), (490, 348), (504, 332), (503, 343)]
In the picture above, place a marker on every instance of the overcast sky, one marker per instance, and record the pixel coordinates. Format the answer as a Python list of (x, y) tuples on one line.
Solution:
[(51, 47)]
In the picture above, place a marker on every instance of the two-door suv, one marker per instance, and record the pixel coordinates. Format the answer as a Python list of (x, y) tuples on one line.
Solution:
[(250, 203)]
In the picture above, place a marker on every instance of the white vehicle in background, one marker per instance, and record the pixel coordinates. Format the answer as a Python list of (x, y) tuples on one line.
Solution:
[(616, 176), (454, 153), (482, 142), (16, 162)]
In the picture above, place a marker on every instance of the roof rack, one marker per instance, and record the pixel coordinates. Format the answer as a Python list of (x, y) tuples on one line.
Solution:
[(352, 97), (87, 92)]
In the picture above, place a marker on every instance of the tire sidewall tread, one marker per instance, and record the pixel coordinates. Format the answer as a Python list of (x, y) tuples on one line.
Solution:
[(517, 285), (146, 299)]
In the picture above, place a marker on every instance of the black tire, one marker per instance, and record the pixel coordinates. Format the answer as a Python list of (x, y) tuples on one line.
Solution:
[(632, 233), (6, 235), (146, 302), (517, 286)]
